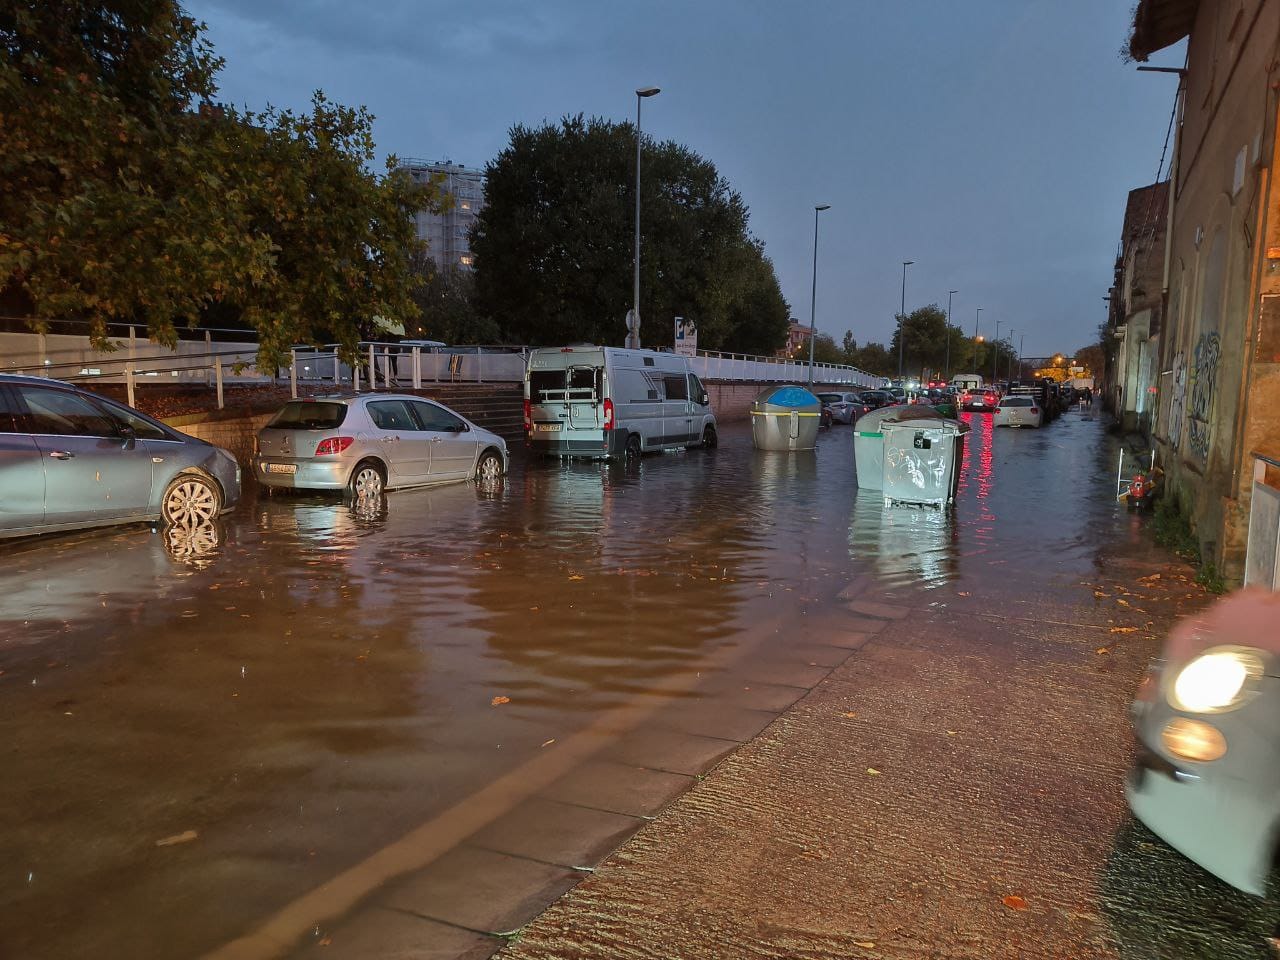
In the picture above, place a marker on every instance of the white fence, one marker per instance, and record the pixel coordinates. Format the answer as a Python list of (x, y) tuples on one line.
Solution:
[(1261, 568), (215, 363)]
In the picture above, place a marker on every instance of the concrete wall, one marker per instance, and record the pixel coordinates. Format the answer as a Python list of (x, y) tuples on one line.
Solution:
[(731, 401)]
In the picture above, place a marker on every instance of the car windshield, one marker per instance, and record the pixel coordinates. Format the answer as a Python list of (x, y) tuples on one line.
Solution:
[(309, 415)]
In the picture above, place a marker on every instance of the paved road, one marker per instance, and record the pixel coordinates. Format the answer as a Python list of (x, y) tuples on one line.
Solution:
[(315, 726)]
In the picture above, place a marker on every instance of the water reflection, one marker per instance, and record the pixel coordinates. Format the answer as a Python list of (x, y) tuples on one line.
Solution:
[(196, 545), (904, 544)]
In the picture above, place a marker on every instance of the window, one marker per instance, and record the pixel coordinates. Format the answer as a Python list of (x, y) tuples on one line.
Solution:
[(309, 415), (1017, 402), (586, 383), (677, 387), (63, 413), (391, 415), (546, 385), (10, 420), (437, 419), (466, 261), (142, 428)]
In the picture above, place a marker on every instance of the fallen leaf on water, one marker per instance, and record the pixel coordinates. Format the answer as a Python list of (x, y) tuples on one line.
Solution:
[(1103, 650), (1015, 902), (186, 836), (499, 701), (1100, 595), (1123, 603), (548, 743), (865, 944), (326, 941), (1151, 579), (1124, 629), (962, 593), (951, 733), (849, 714), (577, 576), (872, 772)]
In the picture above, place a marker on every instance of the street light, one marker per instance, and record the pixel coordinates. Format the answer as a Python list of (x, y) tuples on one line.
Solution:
[(946, 369), (633, 321), (976, 339), (813, 298), (902, 314), (1008, 362), (1022, 340), (995, 354)]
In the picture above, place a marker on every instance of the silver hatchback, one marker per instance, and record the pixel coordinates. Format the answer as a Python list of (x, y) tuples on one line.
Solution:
[(70, 459), (365, 443)]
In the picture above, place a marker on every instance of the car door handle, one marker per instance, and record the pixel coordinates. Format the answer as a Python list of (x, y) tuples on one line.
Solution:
[(390, 439), (436, 439), (62, 454)]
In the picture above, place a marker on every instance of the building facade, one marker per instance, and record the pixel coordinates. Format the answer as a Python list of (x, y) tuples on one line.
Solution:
[(1219, 343), (797, 339), (1136, 312), (448, 234)]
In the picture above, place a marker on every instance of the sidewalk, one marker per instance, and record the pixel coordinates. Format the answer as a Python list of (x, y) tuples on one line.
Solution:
[(952, 789)]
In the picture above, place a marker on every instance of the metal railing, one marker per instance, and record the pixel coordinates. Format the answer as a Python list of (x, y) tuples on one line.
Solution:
[(1262, 558), (715, 365)]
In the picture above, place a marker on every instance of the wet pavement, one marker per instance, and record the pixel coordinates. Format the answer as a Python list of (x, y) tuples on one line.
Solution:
[(402, 732)]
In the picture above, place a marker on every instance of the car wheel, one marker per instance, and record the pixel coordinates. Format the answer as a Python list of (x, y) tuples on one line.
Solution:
[(634, 450), (367, 480), (489, 469), (190, 500), (709, 438)]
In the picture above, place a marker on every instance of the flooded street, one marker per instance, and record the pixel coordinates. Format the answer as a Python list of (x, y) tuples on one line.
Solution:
[(309, 701)]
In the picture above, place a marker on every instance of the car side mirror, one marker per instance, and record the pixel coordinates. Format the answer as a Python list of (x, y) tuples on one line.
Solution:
[(461, 428), (129, 434), (704, 399)]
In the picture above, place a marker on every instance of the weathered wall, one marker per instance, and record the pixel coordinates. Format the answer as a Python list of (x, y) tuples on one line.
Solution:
[(235, 434), (1211, 395)]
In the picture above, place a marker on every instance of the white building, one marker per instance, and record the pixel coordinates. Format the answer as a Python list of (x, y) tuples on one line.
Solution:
[(448, 234)]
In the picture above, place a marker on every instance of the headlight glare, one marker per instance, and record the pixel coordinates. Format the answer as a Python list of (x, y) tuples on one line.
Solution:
[(1215, 681)]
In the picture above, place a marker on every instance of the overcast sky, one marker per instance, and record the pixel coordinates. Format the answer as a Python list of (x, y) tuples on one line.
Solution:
[(990, 141)]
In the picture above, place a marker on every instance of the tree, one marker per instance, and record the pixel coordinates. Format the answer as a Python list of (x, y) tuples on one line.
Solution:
[(130, 195), (924, 333), (872, 358), (554, 245), (1092, 358), (444, 298)]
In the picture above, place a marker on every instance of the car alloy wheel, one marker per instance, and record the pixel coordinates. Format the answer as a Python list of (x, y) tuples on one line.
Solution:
[(367, 481), (490, 468), (190, 500)]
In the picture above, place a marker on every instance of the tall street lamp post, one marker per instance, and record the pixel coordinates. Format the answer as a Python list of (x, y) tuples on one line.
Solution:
[(995, 350), (1008, 361), (902, 315), (633, 321), (977, 313), (813, 297), (946, 369), (1021, 342)]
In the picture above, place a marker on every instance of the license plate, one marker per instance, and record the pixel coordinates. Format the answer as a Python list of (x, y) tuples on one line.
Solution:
[(282, 468), (547, 427)]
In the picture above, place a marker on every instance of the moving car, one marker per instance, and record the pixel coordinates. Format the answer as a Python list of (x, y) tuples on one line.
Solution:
[(589, 401), (845, 407), (367, 443), (1018, 411), (980, 400), (71, 459), (1207, 718)]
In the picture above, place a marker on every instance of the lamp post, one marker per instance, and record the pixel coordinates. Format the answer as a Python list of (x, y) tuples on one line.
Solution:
[(1021, 342), (813, 297), (633, 321), (902, 315), (995, 352), (1008, 361), (946, 369), (977, 313)]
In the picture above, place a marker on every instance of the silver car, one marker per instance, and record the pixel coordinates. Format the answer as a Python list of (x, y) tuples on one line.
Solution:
[(845, 407), (365, 443), (70, 459), (1207, 716)]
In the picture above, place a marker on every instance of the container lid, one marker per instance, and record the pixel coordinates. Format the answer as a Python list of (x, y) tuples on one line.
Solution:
[(788, 395)]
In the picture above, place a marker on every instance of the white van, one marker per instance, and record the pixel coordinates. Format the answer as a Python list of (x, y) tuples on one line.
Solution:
[(589, 401), (966, 382)]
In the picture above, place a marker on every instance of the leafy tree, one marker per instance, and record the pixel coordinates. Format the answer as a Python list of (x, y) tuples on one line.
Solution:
[(444, 298), (923, 332), (130, 195), (554, 245), (1092, 358), (872, 358)]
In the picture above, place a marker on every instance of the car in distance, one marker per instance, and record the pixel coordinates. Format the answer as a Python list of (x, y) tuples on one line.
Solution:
[(1018, 411), (71, 459), (1207, 719), (371, 442), (983, 400), (875, 399), (845, 407)]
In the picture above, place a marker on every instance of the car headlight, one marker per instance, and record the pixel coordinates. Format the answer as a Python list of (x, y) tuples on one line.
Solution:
[(1216, 681)]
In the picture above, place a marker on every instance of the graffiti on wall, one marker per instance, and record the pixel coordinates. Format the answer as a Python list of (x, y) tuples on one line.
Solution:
[(1204, 384), (1177, 400)]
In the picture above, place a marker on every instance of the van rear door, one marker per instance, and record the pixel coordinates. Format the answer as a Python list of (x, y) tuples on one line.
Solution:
[(586, 384)]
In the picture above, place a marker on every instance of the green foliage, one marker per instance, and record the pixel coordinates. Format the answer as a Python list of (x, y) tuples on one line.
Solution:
[(1172, 529), (445, 299), (872, 358), (554, 245), (129, 195)]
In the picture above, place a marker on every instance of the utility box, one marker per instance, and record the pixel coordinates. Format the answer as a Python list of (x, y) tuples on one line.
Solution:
[(785, 418), (922, 461)]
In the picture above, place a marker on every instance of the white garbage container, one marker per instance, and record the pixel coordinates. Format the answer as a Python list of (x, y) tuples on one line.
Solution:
[(868, 446), (922, 461)]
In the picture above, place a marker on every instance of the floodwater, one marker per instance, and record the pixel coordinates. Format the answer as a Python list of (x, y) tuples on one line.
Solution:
[(196, 729)]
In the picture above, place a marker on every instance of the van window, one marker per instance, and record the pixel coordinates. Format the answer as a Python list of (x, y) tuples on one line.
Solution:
[(676, 387), (546, 385), (586, 383)]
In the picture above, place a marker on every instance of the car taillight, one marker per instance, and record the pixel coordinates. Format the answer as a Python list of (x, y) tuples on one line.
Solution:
[(608, 414), (1035, 409), (528, 415), (998, 410), (333, 446)]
